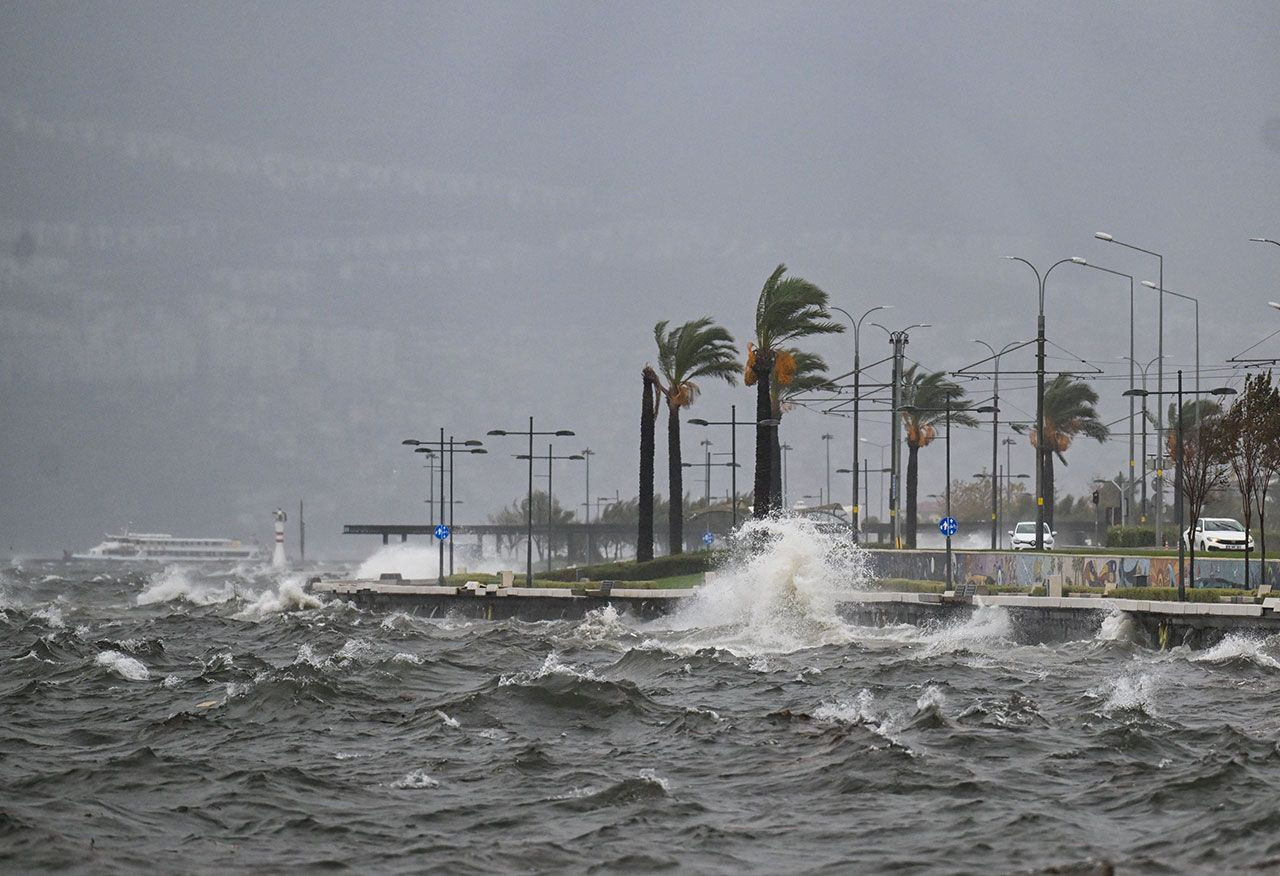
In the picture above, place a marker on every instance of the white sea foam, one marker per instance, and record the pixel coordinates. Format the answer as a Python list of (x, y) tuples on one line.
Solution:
[(124, 666), (652, 777), (550, 666), (1237, 647), (171, 681), (415, 781), (777, 594), (1117, 627), (51, 615), (988, 625), (857, 711), (1130, 692), (602, 625), (404, 657), (289, 595), (448, 722), (182, 583), (932, 698)]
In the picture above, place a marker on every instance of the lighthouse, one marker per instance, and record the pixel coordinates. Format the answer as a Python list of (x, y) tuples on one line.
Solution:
[(278, 560)]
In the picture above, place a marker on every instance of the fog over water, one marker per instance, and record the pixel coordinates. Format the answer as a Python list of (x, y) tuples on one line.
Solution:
[(245, 249)]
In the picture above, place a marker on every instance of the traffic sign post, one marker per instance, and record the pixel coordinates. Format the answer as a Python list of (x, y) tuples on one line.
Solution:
[(947, 526)]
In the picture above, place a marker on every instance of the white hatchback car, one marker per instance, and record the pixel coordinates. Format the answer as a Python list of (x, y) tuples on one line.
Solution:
[(1024, 536), (1218, 534)]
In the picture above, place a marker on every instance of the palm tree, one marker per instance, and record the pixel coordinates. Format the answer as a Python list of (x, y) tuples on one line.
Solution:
[(928, 392), (1068, 411), (788, 308), (687, 353), (810, 375), (648, 416)]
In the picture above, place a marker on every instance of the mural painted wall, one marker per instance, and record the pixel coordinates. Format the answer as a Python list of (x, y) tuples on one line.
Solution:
[(1078, 570)]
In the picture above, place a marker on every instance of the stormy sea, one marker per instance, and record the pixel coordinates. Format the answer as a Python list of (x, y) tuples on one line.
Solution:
[(179, 721)]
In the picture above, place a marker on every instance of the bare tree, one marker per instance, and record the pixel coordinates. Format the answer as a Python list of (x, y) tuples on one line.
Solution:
[(1248, 449), (1206, 467), (1268, 425)]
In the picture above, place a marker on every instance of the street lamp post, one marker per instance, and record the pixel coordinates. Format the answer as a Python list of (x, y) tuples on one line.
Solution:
[(733, 423), (1040, 353), (826, 439), (1103, 236), (784, 448), (1126, 506), (995, 430), (947, 410), (857, 400), (560, 433), (1196, 302), (1177, 472), (898, 340), (550, 457), (1142, 508), (445, 449)]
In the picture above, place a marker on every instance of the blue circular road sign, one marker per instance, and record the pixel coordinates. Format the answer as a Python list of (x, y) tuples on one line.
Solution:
[(442, 532), (947, 526), (708, 539)]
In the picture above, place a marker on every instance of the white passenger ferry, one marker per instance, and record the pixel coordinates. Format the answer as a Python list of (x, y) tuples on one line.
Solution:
[(157, 547)]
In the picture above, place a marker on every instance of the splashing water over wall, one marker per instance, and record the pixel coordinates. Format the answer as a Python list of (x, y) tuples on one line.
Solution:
[(779, 590)]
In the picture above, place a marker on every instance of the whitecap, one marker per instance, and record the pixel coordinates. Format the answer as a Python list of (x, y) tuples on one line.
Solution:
[(550, 666), (290, 594), (178, 583), (416, 780), (448, 722), (126, 667), (1237, 647), (51, 615), (404, 657)]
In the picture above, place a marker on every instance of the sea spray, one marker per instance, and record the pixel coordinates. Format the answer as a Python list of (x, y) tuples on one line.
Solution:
[(181, 583), (777, 592)]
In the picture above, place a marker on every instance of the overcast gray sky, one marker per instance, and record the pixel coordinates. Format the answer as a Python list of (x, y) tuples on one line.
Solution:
[(271, 240)]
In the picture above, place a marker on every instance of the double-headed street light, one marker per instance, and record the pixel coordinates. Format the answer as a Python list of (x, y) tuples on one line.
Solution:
[(1195, 301), (549, 457), (857, 398), (1177, 463), (733, 423), (898, 340), (995, 428), (1040, 341), (442, 449), (559, 433)]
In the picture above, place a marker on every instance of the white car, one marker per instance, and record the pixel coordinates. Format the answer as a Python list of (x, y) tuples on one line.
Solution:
[(1024, 536), (1218, 534)]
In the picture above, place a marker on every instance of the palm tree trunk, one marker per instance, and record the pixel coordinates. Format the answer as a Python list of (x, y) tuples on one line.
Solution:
[(775, 474), (765, 436), (913, 472), (644, 539), (675, 477)]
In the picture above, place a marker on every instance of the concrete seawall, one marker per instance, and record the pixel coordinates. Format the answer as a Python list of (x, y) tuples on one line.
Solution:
[(1032, 618)]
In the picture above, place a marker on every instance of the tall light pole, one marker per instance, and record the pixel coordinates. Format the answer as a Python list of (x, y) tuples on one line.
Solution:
[(947, 410), (857, 399), (784, 448), (1142, 509), (995, 431), (560, 433), (1195, 301), (1128, 504), (898, 340), (587, 453), (1103, 236), (444, 450), (733, 423), (1040, 340), (550, 457)]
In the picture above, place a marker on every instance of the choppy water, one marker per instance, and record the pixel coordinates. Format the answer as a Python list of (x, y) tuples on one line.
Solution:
[(206, 724)]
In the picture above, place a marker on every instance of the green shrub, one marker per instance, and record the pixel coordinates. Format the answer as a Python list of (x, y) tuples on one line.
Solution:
[(1131, 536)]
